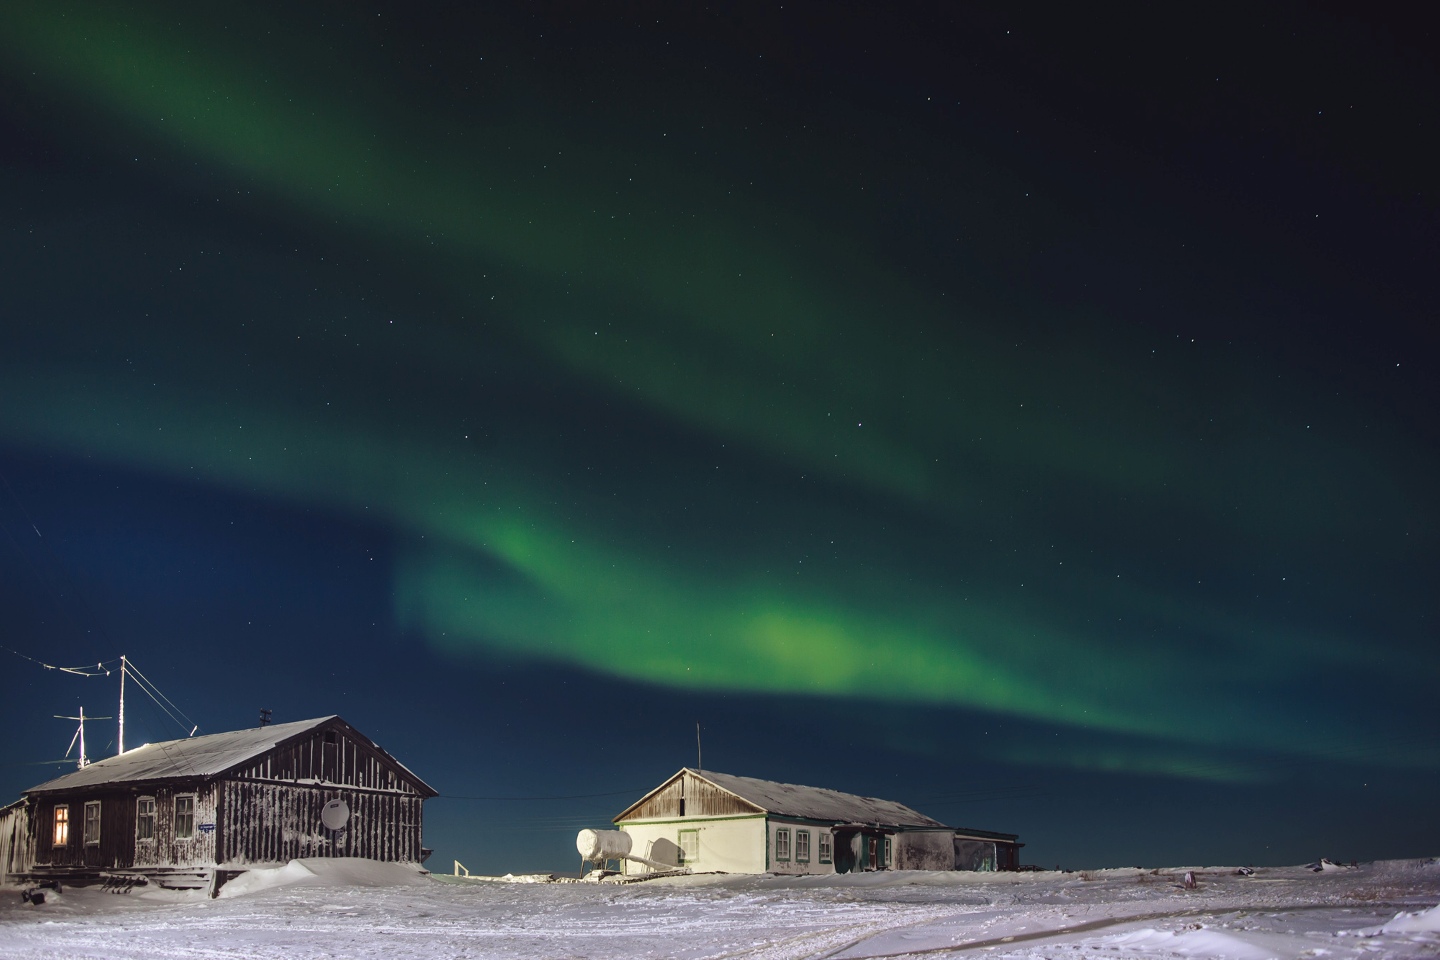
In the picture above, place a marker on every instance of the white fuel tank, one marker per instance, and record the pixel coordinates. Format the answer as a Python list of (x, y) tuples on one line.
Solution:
[(602, 845)]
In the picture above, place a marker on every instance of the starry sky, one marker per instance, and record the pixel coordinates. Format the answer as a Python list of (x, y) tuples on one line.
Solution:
[(1019, 411)]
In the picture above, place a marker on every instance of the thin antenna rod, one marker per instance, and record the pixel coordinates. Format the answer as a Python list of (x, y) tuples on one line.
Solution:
[(699, 758), (122, 706), (79, 735)]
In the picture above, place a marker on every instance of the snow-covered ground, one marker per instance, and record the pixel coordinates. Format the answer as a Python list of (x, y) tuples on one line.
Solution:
[(365, 911)]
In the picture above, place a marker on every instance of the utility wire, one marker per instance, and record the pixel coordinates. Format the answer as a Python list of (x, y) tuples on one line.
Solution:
[(578, 796), (146, 685), (97, 670)]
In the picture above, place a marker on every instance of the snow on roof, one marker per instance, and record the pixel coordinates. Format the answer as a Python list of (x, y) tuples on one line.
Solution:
[(195, 757), (817, 803)]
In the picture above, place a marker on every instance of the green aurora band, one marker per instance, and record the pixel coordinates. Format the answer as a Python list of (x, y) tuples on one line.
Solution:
[(814, 354)]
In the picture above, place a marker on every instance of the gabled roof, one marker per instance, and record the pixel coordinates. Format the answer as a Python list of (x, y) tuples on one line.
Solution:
[(197, 757), (813, 803)]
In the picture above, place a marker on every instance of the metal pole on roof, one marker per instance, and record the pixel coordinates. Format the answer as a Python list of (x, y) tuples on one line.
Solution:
[(80, 736), (122, 706), (699, 758)]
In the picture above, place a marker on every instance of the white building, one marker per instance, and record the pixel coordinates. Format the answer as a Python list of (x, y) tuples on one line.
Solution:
[(718, 822)]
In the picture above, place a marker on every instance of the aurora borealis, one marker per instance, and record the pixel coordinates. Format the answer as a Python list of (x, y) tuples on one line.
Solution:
[(1003, 425)]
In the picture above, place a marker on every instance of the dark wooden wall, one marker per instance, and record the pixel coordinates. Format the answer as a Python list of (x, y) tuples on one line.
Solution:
[(16, 844), (331, 755), (117, 832), (275, 822), (700, 798), (118, 849)]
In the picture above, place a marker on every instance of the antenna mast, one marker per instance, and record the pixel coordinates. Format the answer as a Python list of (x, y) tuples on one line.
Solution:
[(699, 763), (122, 706), (79, 735)]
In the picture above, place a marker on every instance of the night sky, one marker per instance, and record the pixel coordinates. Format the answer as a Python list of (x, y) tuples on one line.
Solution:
[(1025, 413)]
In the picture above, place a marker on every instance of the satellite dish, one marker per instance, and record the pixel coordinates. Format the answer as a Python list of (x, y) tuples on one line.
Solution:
[(335, 814)]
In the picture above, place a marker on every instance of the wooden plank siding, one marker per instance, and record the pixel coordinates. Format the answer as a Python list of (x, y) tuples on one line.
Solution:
[(118, 847), (340, 760), (270, 809), (274, 822), (686, 795), (16, 843)]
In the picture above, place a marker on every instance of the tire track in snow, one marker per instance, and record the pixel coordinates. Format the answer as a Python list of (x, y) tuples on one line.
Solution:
[(815, 945), (1085, 927)]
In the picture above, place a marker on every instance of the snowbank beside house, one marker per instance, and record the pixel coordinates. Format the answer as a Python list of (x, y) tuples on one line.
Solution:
[(335, 871)]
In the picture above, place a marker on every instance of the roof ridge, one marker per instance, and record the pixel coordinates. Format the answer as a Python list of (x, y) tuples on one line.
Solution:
[(186, 756)]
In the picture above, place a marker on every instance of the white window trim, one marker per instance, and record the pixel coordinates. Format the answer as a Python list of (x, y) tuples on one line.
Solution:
[(798, 834), (153, 808), (689, 857), (193, 811), (827, 847), (85, 828)]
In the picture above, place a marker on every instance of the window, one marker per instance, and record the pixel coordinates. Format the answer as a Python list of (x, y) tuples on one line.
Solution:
[(689, 846), (888, 852), (92, 823), (145, 818), (826, 850), (62, 824), (782, 843), (184, 817), (802, 846)]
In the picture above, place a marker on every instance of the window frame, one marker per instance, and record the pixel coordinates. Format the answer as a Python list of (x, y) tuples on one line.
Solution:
[(189, 835), (827, 847), (92, 819), (782, 842), (142, 815), (60, 825), (802, 855), (693, 836), (888, 853)]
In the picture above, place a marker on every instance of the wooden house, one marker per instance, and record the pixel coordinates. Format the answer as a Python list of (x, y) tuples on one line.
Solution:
[(198, 811), (716, 821)]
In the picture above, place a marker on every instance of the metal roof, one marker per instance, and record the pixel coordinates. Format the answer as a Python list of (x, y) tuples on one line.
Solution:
[(194, 757), (816, 803)]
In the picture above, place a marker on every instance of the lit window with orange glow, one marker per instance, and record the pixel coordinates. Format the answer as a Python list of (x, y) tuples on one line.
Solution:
[(62, 824)]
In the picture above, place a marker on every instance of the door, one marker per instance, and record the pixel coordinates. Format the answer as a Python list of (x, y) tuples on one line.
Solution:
[(846, 848)]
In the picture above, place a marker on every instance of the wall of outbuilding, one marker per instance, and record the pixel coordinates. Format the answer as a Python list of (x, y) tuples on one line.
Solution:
[(16, 845), (924, 850)]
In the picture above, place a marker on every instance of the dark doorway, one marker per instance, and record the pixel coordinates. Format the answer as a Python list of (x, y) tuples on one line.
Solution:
[(845, 850)]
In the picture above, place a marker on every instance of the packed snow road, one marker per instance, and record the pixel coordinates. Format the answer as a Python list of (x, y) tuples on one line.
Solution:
[(366, 911)]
